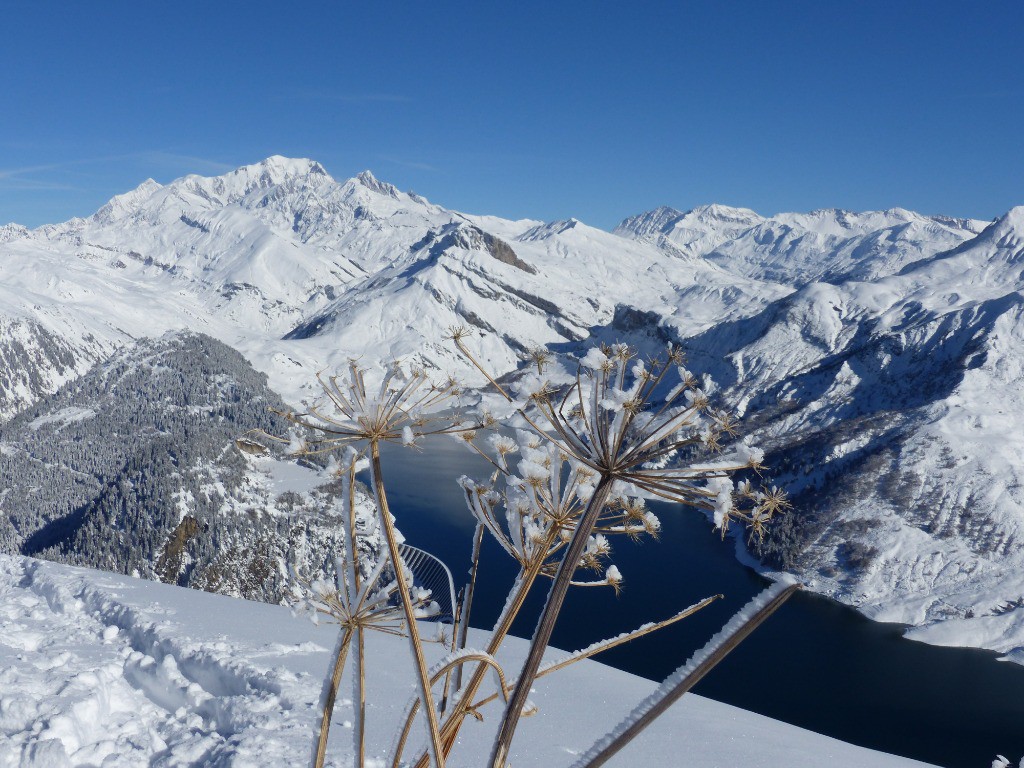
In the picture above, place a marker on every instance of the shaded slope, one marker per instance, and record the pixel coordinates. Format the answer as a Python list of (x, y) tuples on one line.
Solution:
[(132, 468)]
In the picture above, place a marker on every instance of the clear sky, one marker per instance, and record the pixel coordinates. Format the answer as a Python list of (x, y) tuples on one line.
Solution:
[(548, 110)]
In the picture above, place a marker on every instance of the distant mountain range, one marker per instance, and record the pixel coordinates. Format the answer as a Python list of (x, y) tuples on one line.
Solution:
[(877, 356)]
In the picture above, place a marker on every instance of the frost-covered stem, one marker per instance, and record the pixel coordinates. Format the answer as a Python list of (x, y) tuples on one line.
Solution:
[(605, 645), (456, 660), (501, 629), (453, 646), (546, 624), (329, 695), (415, 644), (358, 679), (467, 601), (625, 637), (501, 390), (703, 662), (353, 549), (446, 688)]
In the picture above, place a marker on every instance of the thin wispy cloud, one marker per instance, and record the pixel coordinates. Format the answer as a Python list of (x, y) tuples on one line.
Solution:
[(27, 170), (44, 177), (41, 176), (14, 173), (414, 164), (16, 184), (350, 98), (88, 181), (193, 163)]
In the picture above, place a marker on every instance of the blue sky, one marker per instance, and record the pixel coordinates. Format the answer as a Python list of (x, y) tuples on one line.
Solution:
[(593, 109)]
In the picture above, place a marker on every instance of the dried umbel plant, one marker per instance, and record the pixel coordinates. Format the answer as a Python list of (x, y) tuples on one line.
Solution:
[(405, 407), (622, 422), (592, 444), (360, 599), (541, 502)]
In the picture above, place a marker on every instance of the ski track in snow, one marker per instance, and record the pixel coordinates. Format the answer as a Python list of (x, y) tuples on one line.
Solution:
[(87, 680)]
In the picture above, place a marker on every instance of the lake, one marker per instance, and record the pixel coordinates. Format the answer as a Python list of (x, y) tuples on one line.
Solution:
[(815, 663)]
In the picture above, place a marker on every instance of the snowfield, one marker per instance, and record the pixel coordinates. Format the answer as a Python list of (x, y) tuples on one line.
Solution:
[(105, 670)]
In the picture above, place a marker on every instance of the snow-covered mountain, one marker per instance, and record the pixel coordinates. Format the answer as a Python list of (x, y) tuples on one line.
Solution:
[(301, 272), (693, 233), (799, 248), (133, 468), (875, 354), (893, 411)]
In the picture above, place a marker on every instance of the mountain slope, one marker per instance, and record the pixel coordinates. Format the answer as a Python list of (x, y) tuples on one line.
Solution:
[(133, 468), (106, 670), (301, 272), (892, 411), (34, 360)]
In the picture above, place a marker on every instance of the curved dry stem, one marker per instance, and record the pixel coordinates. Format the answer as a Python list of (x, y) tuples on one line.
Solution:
[(452, 725), (607, 645), (485, 659)]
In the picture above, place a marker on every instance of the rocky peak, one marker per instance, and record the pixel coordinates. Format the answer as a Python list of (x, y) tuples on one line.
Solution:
[(472, 238), (373, 184)]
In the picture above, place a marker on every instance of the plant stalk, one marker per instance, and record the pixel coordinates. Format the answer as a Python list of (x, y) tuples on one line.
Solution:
[(415, 644), (546, 624), (359, 679), (467, 602), (360, 734), (332, 693), (450, 729)]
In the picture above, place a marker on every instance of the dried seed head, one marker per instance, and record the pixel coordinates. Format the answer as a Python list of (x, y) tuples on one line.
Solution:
[(458, 332), (621, 352), (614, 578), (540, 358)]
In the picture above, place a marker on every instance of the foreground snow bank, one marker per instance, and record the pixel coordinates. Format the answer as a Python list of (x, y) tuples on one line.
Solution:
[(103, 670)]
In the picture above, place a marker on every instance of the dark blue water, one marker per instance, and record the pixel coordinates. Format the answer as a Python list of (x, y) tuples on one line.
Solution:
[(815, 663)]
